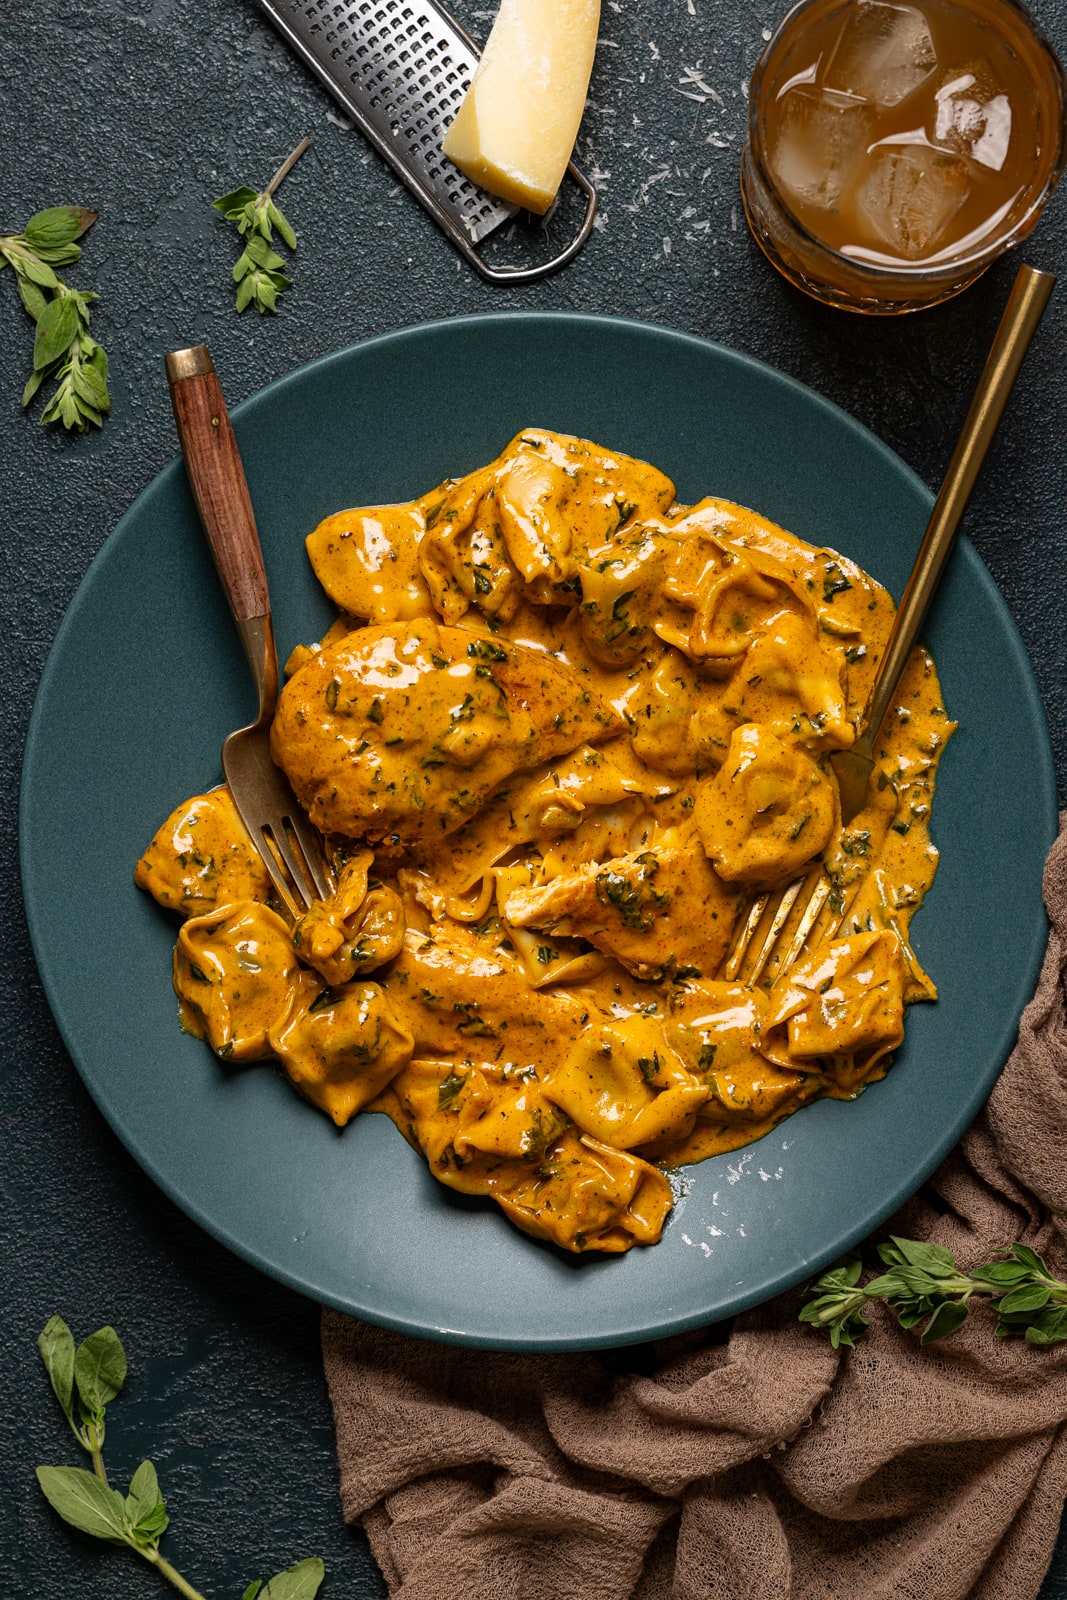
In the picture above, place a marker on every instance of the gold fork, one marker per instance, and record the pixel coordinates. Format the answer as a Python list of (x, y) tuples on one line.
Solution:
[(767, 917), (290, 847)]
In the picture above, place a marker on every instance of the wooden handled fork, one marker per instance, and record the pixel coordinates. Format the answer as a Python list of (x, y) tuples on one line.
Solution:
[(766, 917), (290, 847)]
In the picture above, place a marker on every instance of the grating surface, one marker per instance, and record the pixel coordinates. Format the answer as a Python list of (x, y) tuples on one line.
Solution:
[(401, 69)]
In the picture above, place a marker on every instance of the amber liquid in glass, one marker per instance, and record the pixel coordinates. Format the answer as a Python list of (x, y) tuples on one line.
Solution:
[(909, 136)]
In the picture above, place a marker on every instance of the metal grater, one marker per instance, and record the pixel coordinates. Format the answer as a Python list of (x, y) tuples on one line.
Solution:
[(400, 69)]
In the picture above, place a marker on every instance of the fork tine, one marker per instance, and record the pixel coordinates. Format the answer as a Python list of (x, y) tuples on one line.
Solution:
[(290, 847), (307, 874), (310, 842), (287, 882), (810, 916), (736, 955), (786, 901), (816, 889), (294, 860)]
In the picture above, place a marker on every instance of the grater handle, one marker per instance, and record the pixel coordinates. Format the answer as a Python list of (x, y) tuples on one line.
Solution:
[(569, 251)]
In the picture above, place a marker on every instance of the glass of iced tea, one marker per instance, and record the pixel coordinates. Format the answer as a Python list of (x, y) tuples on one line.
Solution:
[(894, 151)]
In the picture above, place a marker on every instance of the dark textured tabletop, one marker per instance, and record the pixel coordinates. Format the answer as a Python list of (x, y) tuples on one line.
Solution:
[(145, 110)]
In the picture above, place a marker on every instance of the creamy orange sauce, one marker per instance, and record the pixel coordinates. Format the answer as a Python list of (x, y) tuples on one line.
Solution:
[(562, 733)]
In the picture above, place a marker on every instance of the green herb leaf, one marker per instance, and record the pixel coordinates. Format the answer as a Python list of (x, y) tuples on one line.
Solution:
[(56, 227), (486, 650), (99, 1370), (296, 1583), (925, 1285), (889, 1283), (947, 1318), (57, 327), (1049, 1327), (932, 1258), (1002, 1273), (1027, 1297), (62, 408), (275, 217), (90, 380), (1030, 1258), (259, 253), (84, 1501), (32, 386), (841, 1319), (152, 1526), (234, 204), (146, 1511), (56, 1344), (448, 1089), (82, 299), (838, 1303), (39, 272), (846, 1274), (32, 297), (96, 1371)]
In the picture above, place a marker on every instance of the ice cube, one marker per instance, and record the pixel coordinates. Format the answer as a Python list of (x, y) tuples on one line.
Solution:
[(883, 53), (909, 196), (820, 140), (972, 117)]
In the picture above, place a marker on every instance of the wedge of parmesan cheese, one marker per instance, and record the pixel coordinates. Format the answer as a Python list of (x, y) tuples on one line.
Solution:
[(516, 128)]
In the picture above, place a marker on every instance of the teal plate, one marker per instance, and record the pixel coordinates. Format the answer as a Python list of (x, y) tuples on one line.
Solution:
[(146, 677)]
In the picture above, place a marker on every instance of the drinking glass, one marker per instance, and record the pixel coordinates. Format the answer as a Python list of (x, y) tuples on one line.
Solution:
[(895, 150)]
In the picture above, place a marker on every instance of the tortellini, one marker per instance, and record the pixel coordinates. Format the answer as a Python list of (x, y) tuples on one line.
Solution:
[(767, 812), (339, 1047), (233, 969), (563, 735), (842, 1005), (202, 857), (357, 929)]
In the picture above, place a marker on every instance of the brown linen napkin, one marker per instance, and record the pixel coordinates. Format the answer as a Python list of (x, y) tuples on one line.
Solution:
[(750, 1462)]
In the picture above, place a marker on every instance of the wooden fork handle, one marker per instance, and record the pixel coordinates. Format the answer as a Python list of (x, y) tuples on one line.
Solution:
[(217, 480)]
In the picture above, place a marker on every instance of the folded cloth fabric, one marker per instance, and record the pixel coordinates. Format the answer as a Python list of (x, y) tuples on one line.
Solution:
[(751, 1462)]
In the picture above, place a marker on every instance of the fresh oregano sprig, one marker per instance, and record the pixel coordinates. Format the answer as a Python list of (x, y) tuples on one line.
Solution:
[(63, 349), (258, 273), (924, 1284), (836, 1304), (86, 1379)]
